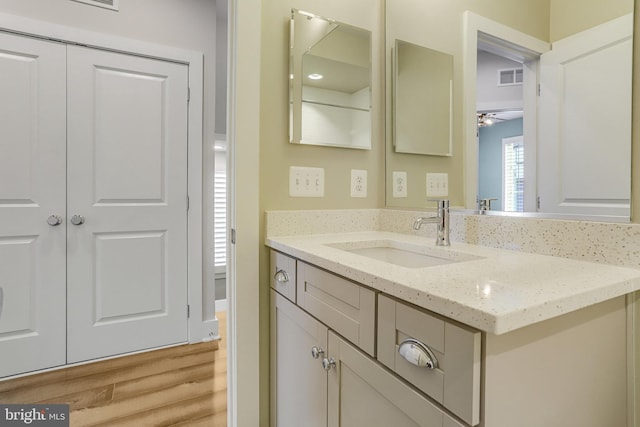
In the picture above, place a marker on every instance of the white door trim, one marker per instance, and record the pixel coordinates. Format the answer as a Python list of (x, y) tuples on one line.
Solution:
[(198, 330), (244, 347), (474, 23)]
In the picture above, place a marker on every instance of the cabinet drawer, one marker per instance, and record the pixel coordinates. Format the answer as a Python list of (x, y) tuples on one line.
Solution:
[(344, 306), (283, 275), (455, 382)]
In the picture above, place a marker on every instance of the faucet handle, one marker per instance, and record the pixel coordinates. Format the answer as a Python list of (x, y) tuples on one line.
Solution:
[(442, 203), (485, 204)]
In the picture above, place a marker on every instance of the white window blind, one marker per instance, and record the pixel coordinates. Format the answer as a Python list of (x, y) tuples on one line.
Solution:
[(513, 174), (220, 219)]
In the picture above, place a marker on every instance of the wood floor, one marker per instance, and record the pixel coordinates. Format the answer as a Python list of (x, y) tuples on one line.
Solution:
[(179, 386)]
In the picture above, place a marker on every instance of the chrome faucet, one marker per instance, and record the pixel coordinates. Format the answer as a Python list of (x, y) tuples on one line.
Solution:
[(442, 219), (485, 204)]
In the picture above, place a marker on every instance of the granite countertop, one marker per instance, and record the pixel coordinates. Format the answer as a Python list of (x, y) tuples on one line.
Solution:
[(493, 290)]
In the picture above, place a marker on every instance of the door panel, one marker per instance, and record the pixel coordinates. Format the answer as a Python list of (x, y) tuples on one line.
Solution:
[(139, 276), (298, 382), (585, 117), (127, 176), (32, 187), (120, 120)]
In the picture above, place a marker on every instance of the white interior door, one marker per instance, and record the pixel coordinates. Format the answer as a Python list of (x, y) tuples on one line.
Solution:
[(32, 187), (585, 122), (127, 179)]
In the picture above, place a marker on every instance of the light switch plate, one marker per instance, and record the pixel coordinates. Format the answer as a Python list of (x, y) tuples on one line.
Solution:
[(437, 185), (306, 182), (399, 184)]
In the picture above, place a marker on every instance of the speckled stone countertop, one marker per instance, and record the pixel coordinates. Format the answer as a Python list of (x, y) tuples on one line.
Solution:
[(493, 290)]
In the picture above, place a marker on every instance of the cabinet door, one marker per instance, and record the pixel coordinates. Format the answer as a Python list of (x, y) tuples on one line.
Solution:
[(127, 176), (32, 187), (363, 394), (298, 381)]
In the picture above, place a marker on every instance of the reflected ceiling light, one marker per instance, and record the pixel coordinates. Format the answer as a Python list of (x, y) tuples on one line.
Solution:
[(316, 76)]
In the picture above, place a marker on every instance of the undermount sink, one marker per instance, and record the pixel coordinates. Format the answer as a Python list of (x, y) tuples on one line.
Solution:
[(404, 254)]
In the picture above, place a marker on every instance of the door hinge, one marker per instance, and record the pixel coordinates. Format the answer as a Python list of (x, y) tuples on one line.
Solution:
[(233, 236), (188, 95), (538, 202), (188, 201), (538, 89), (188, 311)]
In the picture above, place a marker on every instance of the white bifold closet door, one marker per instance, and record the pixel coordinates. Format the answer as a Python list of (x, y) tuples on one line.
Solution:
[(127, 182), (32, 188), (93, 203)]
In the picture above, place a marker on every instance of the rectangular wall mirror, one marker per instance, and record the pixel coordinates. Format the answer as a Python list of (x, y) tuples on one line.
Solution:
[(422, 100), (329, 82)]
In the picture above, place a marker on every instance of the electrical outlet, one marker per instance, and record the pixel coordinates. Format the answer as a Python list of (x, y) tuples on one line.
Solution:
[(399, 184), (358, 183), (437, 185), (306, 182)]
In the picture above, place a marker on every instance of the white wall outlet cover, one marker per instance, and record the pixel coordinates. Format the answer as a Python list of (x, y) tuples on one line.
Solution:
[(306, 182), (358, 183), (399, 184), (437, 185)]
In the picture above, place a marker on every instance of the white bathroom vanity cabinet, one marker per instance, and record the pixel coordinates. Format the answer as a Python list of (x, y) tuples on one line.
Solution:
[(339, 321)]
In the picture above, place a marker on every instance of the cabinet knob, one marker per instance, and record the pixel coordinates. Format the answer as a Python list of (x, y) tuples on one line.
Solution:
[(418, 354), (327, 364), (54, 220), (316, 352), (77, 220), (281, 276)]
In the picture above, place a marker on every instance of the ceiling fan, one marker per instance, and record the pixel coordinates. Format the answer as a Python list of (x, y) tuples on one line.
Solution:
[(487, 119)]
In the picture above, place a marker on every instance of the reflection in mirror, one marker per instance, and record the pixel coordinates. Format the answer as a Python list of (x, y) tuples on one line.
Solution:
[(330, 82), (550, 168), (422, 100), (570, 140)]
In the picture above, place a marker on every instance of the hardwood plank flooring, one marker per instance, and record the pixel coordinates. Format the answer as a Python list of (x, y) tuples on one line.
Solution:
[(179, 386)]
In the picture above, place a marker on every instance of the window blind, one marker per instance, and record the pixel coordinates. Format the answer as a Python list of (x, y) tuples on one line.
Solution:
[(220, 219), (513, 175)]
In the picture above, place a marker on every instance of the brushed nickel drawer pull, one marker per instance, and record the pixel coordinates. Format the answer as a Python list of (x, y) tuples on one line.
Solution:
[(418, 354), (281, 276)]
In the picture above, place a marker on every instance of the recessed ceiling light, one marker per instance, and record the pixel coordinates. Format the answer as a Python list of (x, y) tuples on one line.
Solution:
[(316, 76)]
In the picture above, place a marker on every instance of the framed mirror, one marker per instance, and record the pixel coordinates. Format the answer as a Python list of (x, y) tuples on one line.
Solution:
[(422, 100), (329, 82), (571, 63)]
